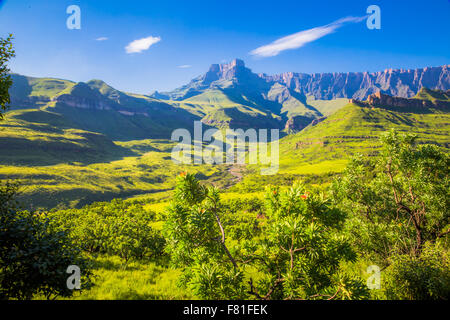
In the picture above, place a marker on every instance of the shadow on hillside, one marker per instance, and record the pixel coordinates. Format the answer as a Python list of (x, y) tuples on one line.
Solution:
[(73, 198), (24, 152)]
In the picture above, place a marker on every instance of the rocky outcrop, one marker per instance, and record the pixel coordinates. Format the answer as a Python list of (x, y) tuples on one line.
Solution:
[(298, 123), (226, 71), (383, 100), (81, 102), (307, 143), (421, 103), (293, 126), (132, 113)]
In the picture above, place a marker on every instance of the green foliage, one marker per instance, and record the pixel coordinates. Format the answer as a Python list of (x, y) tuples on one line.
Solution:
[(33, 256), (402, 195), (6, 53), (302, 249), (196, 242), (115, 228), (420, 278), (296, 252), (398, 206)]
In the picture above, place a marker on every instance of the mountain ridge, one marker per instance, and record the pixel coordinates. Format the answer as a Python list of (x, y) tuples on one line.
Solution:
[(227, 95), (326, 86)]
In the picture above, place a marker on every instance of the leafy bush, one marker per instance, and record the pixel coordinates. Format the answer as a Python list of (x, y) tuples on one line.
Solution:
[(296, 251), (33, 257), (419, 278), (302, 249), (400, 198), (115, 228), (398, 205), (6, 53)]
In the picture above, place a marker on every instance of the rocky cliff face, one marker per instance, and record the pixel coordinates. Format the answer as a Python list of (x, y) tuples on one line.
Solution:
[(82, 102), (359, 85), (228, 71), (298, 123)]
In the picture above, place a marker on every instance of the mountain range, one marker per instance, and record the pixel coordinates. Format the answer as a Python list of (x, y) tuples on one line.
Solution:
[(227, 95), (322, 86)]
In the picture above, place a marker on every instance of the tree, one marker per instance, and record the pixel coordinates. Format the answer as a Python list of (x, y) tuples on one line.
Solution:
[(6, 53), (34, 257), (296, 252), (402, 195), (302, 249), (196, 241), (398, 206), (425, 277)]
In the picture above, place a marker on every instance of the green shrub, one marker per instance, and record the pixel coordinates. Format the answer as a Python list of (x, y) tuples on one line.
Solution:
[(426, 277), (33, 256)]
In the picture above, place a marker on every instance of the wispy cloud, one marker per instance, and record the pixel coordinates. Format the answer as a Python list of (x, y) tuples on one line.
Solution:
[(140, 45), (102, 39), (185, 66), (301, 38)]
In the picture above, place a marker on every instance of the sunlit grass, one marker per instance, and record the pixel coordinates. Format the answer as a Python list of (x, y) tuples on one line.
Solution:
[(113, 280)]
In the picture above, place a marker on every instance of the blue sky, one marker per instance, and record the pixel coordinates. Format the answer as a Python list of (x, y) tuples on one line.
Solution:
[(195, 34)]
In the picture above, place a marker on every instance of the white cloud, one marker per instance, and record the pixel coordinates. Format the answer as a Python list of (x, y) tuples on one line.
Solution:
[(185, 66), (102, 39), (140, 45), (301, 38)]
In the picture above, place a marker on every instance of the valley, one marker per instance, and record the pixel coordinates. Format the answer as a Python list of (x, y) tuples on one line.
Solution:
[(69, 144)]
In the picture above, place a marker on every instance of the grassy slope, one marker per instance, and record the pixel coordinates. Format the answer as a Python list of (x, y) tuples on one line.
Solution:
[(433, 95), (135, 281), (31, 86), (38, 137), (356, 129), (73, 168), (327, 107), (318, 152)]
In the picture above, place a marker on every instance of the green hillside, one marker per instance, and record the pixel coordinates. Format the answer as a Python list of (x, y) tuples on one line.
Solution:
[(326, 107), (433, 95), (74, 143), (39, 137), (137, 167), (33, 92), (356, 129), (321, 150)]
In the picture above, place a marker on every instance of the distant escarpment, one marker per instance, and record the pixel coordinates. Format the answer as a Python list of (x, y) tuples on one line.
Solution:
[(323, 86), (359, 85)]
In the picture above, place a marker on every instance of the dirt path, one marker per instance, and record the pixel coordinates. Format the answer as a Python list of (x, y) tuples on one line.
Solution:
[(236, 172)]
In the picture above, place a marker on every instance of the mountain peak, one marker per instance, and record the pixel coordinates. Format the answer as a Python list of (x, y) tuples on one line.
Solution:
[(237, 63), (225, 71), (223, 67)]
